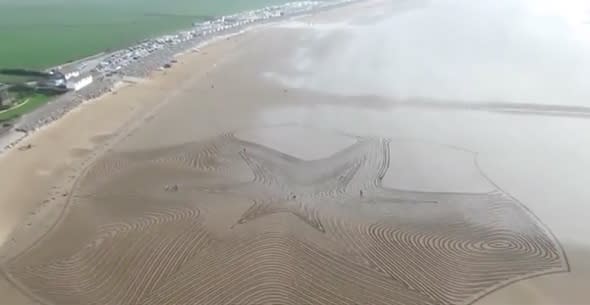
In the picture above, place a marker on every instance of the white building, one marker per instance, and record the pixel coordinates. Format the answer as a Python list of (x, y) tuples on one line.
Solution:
[(71, 75), (77, 84)]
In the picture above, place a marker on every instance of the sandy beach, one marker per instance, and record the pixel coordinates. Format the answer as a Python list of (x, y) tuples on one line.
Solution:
[(290, 164)]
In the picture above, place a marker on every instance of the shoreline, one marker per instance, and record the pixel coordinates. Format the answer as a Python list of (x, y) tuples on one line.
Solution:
[(56, 149), (95, 181), (58, 152), (15, 131)]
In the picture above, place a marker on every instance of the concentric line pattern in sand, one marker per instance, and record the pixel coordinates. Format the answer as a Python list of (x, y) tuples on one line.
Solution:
[(226, 221)]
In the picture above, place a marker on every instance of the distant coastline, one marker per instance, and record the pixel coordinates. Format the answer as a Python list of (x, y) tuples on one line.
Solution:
[(46, 33), (107, 70)]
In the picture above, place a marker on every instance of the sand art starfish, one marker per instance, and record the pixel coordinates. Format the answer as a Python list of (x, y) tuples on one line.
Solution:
[(285, 184), (164, 211)]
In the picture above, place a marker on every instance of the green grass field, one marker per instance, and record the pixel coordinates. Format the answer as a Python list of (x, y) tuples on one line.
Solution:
[(44, 33), (27, 104)]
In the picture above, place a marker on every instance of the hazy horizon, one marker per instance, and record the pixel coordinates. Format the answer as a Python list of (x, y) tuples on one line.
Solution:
[(511, 51)]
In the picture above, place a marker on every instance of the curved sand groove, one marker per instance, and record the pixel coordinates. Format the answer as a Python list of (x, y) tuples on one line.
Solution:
[(203, 223), (151, 248), (282, 270)]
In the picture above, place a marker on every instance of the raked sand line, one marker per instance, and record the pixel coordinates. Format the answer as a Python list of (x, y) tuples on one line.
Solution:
[(103, 146), (229, 221)]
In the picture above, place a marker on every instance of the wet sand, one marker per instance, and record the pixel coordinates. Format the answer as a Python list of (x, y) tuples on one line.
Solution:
[(223, 181)]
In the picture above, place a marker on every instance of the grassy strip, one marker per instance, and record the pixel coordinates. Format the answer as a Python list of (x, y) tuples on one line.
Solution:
[(33, 102)]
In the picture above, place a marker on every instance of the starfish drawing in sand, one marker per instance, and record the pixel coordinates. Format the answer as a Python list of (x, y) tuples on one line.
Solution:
[(158, 208), (284, 184)]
